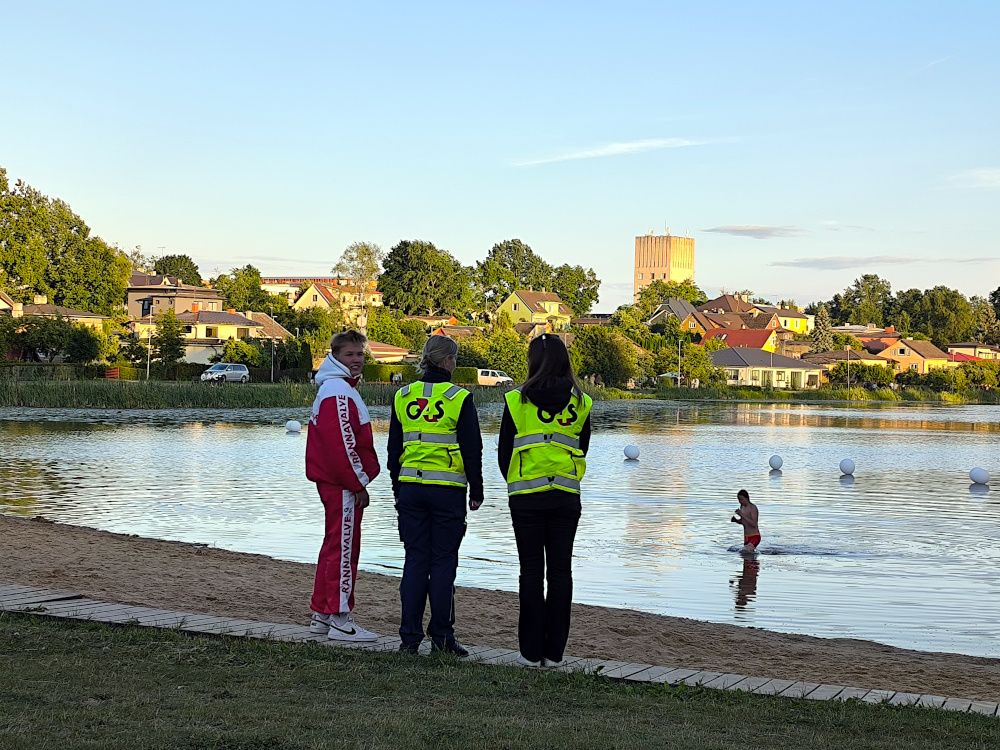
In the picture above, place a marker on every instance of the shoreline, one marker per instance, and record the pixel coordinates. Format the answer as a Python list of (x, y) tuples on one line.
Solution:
[(194, 577)]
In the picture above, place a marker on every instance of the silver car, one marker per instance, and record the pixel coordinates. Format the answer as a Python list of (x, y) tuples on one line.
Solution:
[(224, 372)]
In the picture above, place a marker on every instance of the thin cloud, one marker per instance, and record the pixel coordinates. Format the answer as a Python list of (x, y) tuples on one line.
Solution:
[(983, 178), (931, 64), (757, 231), (843, 262), (615, 149), (836, 226)]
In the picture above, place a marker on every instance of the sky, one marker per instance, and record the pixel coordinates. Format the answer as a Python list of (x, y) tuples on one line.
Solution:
[(800, 145)]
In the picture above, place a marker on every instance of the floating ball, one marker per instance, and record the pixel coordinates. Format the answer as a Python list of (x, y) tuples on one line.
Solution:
[(979, 476), (631, 452), (293, 426), (775, 462), (847, 467)]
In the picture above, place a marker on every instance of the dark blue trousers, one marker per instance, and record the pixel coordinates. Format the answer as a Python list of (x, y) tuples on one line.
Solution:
[(431, 527)]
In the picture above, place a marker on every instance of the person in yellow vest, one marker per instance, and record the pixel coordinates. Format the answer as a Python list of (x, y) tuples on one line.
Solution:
[(435, 458), (544, 437)]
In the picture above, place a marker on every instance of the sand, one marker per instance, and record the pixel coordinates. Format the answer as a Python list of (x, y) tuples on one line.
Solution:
[(195, 578)]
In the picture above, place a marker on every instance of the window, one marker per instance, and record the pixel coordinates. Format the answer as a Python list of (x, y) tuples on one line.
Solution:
[(188, 329), (211, 332), (691, 325), (781, 376), (734, 374), (514, 307), (242, 333), (315, 298), (914, 367), (640, 277), (755, 375), (902, 350)]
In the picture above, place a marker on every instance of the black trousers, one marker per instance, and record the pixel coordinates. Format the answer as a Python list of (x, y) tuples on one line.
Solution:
[(545, 527), (431, 527)]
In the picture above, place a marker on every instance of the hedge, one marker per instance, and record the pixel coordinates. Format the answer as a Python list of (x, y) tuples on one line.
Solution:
[(465, 375), (379, 373)]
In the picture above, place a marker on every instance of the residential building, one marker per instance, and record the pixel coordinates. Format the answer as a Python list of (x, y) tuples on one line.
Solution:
[(791, 320), (168, 293), (457, 332), (867, 334), (206, 331), (828, 360), (344, 296), (531, 330), (42, 309), (916, 356), (290, 287), (675, 307), (387, 353), (757, 367), (696, 324), (527, 306), (974, 349), (795, 349), (594, 319), (727, 303), (434, 321), (662, 258), (745, 338)]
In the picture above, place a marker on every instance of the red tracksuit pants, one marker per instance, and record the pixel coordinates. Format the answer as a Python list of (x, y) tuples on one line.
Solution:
[(337, 569)]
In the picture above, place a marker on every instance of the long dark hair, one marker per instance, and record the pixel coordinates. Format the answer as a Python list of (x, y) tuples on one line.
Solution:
[(549, 367)]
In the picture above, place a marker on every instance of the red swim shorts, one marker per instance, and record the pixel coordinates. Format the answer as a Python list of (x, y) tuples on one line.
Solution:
[(754, 540)]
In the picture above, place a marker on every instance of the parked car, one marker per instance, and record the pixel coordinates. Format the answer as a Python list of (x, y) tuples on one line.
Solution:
[(224, 372), (494, 377)]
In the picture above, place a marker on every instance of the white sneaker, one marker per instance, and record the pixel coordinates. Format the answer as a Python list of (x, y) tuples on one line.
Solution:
[(527, 662), (553, 664), (319, 624), (343, 628)]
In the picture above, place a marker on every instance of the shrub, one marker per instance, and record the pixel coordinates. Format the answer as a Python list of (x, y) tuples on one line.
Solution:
[(465, 375), (380, 373)]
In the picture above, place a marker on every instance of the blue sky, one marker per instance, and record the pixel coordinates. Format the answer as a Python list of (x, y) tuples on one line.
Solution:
[(800, 145)]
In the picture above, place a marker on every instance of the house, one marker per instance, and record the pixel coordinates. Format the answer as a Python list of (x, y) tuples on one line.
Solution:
[(866, 334), (531, 330), (344, 296), (696, 323), (386, 353), (457, 332), (594, 319), (727, 303), (970, 348), (761, 368), (527, 306), (153, 294), (434, 321), (828, 360), (795, 349), (790, 320), (290, 287), (42, 309), (675, 307), (744, 338), (916, 356), (206, 331)]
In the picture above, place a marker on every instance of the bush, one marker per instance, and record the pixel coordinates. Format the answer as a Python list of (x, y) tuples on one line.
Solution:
[(465, 375), (861, 373), (380, 373)]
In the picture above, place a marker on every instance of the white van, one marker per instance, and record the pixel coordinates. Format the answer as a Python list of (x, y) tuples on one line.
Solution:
[(494, 377)]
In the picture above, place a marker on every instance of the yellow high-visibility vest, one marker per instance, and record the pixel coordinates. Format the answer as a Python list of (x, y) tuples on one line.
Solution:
[(428, 413), (547, 451)]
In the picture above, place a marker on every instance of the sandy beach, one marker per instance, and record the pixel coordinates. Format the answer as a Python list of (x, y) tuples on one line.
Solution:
[(196, 578)]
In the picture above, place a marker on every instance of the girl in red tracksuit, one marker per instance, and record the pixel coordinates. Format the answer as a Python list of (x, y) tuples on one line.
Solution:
[(341, 460)]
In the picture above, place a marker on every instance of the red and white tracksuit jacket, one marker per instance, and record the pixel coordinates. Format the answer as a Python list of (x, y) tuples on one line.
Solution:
[(341, 460)]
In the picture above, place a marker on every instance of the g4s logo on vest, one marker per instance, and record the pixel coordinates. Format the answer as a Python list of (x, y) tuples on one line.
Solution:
[(548, 418), (415, 409)]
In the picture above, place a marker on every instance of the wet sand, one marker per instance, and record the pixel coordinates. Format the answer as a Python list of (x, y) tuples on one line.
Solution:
[(190, 577)]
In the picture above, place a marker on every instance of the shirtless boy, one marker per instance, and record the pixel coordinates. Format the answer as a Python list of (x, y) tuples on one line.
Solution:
[(746, 515)]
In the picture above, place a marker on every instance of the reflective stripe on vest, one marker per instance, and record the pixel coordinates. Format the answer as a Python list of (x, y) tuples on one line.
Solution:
[(537, 484), (432, 476), (448, 438), (555, 437)]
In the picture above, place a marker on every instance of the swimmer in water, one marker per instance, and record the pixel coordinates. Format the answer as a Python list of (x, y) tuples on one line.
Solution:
[(746, 516)]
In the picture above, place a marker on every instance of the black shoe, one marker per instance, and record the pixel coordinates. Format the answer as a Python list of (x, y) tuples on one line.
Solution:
[(409, 649), (450, 646)]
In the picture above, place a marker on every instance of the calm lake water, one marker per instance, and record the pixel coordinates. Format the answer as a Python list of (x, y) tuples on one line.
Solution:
[(904, 554)]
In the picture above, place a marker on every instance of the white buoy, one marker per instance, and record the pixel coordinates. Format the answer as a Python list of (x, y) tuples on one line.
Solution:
[(632, 452), (847, 467), (979, 476), (293, 426), (775, 462)]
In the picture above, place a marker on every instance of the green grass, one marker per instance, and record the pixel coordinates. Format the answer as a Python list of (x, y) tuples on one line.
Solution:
[(769, 395), (79, 685)]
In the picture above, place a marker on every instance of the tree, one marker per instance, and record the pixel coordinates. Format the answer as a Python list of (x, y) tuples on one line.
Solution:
[(788, 304), (242, 352), (43, 338), (82, 345), (660, 291), (320, 325), (168, 341), (605, 352), (241, 288), (181, 266), (986, 327), (860, 373), (697, 365), (577, 286), (822, 335), (415, 332), (945, 315), (361, 263), (867, 300), (995, 300), (418, 278), (846, 341), (383, 327), (8, 335), (510, 265)]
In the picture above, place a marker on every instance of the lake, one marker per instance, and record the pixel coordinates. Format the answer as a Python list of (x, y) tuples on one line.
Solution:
[(903, 554)]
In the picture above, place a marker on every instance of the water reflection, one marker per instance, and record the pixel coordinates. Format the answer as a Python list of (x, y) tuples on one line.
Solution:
[(744, 584)]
